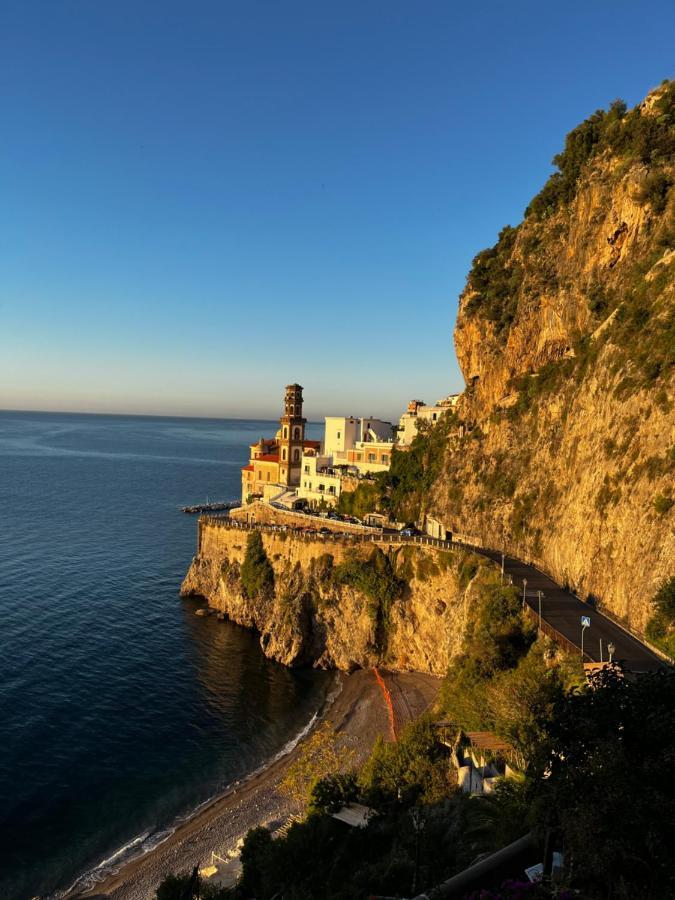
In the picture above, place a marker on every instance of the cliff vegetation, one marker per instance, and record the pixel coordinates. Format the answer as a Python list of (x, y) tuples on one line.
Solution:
[(564, 445)]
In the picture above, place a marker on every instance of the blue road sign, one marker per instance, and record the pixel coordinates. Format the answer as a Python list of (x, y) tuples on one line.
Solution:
[(585, 621)]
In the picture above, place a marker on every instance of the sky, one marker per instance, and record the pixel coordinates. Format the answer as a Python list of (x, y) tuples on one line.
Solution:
[(205, 201)]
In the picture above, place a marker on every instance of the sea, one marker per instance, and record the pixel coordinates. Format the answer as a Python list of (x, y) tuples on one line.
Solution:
[(121, 711)]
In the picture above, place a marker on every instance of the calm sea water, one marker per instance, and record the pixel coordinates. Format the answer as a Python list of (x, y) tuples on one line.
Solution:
[(120, 710)]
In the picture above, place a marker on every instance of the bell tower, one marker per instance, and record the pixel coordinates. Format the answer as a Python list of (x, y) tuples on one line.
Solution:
[(292, 436)]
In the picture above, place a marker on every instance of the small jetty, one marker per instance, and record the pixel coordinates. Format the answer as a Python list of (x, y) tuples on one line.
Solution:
[(211, 507)]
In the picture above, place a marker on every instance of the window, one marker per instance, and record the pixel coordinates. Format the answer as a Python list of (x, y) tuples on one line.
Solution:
[(283, 453), (359, 457), (285, 432), (372, 457), (306, 470), (338, 435), (385, 457), (296, 434), (331, 489), (322, 488), (296, 455), (268, 476), (434, 417)]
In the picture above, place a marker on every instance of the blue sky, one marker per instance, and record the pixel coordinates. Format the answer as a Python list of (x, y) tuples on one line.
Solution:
[(204, 201)]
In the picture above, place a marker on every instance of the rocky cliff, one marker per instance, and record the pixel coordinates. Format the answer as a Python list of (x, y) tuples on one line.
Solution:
[(315, 616), (563, 449)]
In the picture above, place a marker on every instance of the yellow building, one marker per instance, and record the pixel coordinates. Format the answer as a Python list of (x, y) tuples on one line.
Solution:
[(370, 456)]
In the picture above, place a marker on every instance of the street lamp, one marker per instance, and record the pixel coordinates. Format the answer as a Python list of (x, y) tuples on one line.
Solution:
[(540, 594), (524, 587)]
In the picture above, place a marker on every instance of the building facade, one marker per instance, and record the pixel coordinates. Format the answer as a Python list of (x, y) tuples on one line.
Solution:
[(417, 412), (275, 463)]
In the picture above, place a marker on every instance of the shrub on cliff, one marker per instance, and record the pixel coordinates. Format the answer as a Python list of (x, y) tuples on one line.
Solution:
[(475, 692), (377, 580), (257, 574), (661, 626)]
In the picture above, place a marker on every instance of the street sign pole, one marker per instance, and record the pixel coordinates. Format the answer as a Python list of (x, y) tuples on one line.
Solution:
[(585, 623)]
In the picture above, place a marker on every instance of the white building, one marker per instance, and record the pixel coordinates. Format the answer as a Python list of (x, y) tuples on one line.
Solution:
[(343, 433), (418, 412), (318, 482)]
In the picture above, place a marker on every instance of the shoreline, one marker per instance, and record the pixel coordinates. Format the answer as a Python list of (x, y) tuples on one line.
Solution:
[(357, 711), (88, 884)]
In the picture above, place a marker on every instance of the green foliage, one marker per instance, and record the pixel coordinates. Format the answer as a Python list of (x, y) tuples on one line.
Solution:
[(636, 135), (319, 756), (426, 568), (468, 569), (413, 472), (335, 790), (661, 626), (174, 887), (412, 770), (581, 144), (654, 191), (532, 387), (600, 299), (496, 819), (599, 777), (366, 498), (496, 684), (521, 700), (496, 279), (377, 580), (257, 574), (184, 887), (663, 504), (499, 480)]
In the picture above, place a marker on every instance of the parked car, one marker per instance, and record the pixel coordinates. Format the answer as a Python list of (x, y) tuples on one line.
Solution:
[(325, 530), (409, 531)]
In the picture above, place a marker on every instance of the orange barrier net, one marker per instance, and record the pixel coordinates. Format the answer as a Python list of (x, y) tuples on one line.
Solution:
[(387, 700)]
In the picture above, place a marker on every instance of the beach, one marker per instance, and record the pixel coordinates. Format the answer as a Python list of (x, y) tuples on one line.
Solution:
[(359, 713)]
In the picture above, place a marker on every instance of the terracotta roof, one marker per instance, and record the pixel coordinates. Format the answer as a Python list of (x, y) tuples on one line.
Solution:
[(247, 469), (268, 457)]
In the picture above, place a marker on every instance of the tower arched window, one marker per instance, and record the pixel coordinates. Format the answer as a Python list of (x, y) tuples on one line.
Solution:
[(296, 434), (296, 455), (285, 432), (283, 453)]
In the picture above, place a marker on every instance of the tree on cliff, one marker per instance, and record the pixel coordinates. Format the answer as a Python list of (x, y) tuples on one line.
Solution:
[(257, 574)]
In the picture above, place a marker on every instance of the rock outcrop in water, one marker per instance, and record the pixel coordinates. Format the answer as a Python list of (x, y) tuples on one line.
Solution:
[(312, 619)]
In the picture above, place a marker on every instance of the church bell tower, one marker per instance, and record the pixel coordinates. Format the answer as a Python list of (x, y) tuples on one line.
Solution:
[(292, 436)]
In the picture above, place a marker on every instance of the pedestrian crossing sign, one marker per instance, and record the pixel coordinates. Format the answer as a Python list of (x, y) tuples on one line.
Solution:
[(585, 621)]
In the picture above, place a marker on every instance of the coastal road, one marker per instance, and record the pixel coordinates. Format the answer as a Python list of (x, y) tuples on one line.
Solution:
[(562, 611)]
